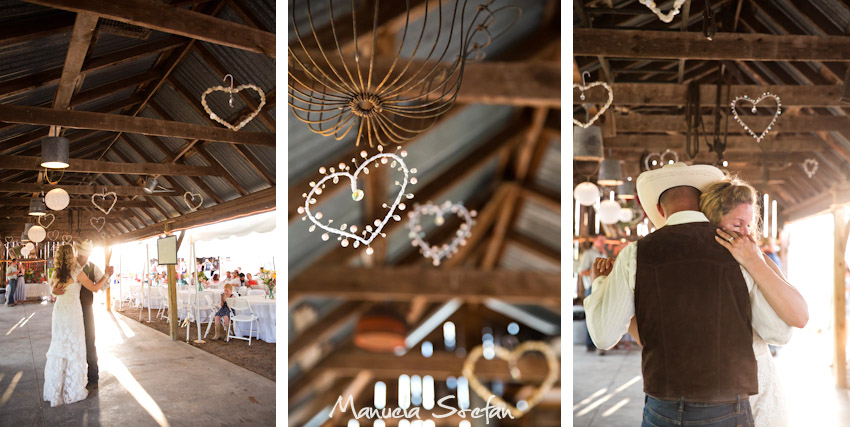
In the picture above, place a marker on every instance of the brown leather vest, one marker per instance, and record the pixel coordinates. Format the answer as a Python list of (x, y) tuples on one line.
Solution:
[(694, 318)]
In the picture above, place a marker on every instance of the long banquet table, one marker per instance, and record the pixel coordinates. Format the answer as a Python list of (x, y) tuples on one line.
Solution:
[(265, 310)]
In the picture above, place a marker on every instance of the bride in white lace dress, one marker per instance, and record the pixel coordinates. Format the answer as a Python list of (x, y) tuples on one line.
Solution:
[(66, 367)]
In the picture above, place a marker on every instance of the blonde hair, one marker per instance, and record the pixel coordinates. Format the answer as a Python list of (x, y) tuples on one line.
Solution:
[(64, 262), (721, 197), (228, 286)]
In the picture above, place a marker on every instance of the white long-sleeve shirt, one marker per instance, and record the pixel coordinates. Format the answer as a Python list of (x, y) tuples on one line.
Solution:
[(611, 305)]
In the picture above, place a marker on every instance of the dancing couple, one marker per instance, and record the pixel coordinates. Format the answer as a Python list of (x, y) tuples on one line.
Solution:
[(702, 299), (71, 368)]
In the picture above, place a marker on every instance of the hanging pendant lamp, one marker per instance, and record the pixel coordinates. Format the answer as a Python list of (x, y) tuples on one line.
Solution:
[(587, 143), (54, 152), (37, 207), (610, 173), (626, 190)]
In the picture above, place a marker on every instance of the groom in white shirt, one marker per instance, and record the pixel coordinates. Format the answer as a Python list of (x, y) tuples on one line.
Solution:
[(696, 308)]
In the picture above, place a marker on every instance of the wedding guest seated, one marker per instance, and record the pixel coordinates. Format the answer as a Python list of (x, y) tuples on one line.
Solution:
[(251, 282), (215, 283), (223, 313)]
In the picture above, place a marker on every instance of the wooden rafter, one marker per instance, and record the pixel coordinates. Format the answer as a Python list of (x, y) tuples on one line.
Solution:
[(97, 166), (174, 20)]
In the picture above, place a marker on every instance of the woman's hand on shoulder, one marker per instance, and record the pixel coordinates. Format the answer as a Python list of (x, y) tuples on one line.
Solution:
[(743, 248)]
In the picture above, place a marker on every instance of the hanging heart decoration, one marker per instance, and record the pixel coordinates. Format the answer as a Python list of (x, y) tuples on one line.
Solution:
[(582, 89), (810, 166), (231, 91), (67, 239), (9, 239), (658, 160), (193, 200), (664, 17), (45, 218), (755, 102), (437, 254), (512, 356), (369, 232), (53, 235), (102, 200), (98, 223)]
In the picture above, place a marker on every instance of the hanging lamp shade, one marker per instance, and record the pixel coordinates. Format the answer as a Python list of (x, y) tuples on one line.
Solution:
[(380, 330), (586, 193), (626, 190), (150, 185), (37, 207), (25, 235), (610, 173), (57, 199), (54, 152), (587, 143)]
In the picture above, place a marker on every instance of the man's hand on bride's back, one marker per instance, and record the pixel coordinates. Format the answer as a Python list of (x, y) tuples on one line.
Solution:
[(59, 290)]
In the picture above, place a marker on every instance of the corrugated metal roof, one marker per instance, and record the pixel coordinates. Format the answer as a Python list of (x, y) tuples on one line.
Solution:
[(14, 10), (119, 72), (237, 166), (515, 257), (539, 223), (35, 97), (319, 10), (33, 56), (308, 151), (246, 67), (103, 102), (265, 11), (108, 42), (549, 174)]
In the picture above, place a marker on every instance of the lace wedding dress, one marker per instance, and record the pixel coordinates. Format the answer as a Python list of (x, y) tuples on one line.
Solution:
[(65, 372), (769, 405)]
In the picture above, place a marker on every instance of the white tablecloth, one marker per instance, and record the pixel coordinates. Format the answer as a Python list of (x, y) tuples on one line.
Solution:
[(265, 311), (36, 290), (215, 297)]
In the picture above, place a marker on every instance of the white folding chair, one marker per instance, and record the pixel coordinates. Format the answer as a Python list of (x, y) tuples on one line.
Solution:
[(243, 290), (256, 292), (206, 304), (243, 313), (160, 294)]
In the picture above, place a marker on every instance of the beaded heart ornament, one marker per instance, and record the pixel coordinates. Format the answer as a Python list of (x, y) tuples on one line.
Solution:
[(348, 234), (664, 17), (437, 254), (755, 102)]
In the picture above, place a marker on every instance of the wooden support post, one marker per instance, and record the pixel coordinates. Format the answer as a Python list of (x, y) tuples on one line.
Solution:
[(840, 238), (108, 253)]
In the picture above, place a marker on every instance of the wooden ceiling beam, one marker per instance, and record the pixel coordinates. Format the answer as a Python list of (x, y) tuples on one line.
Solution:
[(636, 143), (169, 19), (78, 47), (97, 166), (378, 284), (661, 94), (325, 327), (138, 125), (15, 187), (675, 123), (731, 46), (75, 203)]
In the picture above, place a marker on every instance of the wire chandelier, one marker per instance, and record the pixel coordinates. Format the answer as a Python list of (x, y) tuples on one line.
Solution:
[(391, 97)]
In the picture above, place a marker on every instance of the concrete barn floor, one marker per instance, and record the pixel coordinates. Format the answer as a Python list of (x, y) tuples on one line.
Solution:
[(608, 390), (146, 379)]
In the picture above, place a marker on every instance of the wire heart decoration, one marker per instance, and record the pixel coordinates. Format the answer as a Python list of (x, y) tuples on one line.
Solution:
[(9, 239), (664, 17), (103, 198), (447, 250), (53, 235), (657, 160), (755, 103), (231, 90), (582, 88), (67, 239), (810, 166), (369, 233), (98, 223), (512, 357), (52, 219), (189, 197)]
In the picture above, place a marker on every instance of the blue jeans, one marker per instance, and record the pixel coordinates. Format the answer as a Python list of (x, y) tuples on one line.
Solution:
[(10, 290), (663, 413)]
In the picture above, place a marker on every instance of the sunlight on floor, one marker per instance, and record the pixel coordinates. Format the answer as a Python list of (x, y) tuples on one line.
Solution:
[(110, 363), (11, 388), (20, 323), (606, 398)]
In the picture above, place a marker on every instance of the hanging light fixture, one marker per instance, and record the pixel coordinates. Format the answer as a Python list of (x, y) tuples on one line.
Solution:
[(37, 207), (57, 199), (586, 193), (386, 100), (150, 185), (626, 190), (587, 143), (54, 152), (610, 173)]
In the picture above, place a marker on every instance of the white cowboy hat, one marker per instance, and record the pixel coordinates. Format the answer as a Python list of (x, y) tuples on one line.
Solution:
[(651, 184), (84, 248)]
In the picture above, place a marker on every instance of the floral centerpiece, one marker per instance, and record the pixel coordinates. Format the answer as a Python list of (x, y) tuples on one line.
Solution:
[(270, 279), (201, 279)]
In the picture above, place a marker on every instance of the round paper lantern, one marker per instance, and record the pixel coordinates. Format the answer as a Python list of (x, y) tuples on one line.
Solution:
[(609, 212), (57, 199), (36, 233), (586, 193), (29, 246), (25, 252), (626, 214)]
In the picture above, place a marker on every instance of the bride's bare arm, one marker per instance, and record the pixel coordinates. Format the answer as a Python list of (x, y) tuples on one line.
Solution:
[(784, 298)]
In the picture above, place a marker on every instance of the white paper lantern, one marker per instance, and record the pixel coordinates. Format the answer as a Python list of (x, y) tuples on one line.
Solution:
[(29, 246), (25, 252), (36, 233), (626, 214), (57, 199), (609, 212), (586, 193)]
